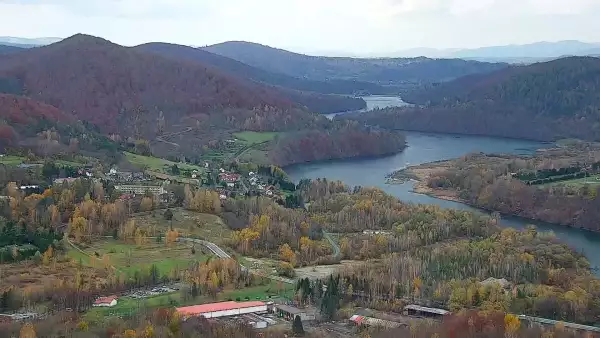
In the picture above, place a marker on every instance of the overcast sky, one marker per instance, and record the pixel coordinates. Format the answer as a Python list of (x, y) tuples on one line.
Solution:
[(309, 26)]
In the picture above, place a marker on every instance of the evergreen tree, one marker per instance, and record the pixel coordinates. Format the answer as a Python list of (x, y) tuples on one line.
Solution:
[(331, 298), (297, 327), (195, 290)]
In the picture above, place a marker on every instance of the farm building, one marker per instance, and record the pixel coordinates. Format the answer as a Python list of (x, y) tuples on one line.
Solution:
[(223, 309), (421, 311), (374, 322), (290, 312), (532, 321), (109, 301)]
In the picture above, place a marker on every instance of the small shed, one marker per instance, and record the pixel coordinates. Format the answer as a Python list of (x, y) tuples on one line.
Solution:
[(290, 312)]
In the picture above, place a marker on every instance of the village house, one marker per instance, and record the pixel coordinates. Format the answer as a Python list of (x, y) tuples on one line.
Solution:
[(109, 301), (229, 178), (68, 180)]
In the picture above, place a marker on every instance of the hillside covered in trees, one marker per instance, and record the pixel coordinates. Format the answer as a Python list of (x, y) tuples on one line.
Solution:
[(240, 69), (113, 86), (486, 181), (4, 49), (398, 73), (341, 141), (442, 256), (47, 131), (543, 101)]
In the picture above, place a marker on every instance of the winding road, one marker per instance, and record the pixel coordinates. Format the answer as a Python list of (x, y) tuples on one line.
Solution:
[(162, 137), (217, 251), (336, 247), (212, 247)]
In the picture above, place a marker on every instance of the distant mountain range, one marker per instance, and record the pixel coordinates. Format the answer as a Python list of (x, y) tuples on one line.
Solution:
[(396, 72), (240, 69), (543, 101), (27, 42), (527, 53)]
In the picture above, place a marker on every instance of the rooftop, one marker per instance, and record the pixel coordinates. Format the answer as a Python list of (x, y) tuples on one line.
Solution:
[(105, 300), (426, 309), (214, 307), (375, 322), (289, 309), (566, 324)]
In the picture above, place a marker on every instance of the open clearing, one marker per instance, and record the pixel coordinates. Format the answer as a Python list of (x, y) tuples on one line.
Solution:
[(158, 164), (33, 276), (253, 137), (12, 160), (188, 224), (127, 306), (129, 258), (576, 183), (323, 271)]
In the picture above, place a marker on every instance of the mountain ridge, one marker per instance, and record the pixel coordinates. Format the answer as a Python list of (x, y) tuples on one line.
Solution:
[(238, 68), (402, 72), (118, 83), (544, 101)]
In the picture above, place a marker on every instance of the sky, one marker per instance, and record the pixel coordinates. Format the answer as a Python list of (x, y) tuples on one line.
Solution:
[(354, 27)]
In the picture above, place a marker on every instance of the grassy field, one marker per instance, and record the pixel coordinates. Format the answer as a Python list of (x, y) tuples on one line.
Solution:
[(576, 183), (127, 306), (158, 164), (189, 223), (129, 258), (253, 137), (12, 160), (16, 160)]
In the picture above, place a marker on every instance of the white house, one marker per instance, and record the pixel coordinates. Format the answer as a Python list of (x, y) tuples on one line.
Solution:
[(109, 301)]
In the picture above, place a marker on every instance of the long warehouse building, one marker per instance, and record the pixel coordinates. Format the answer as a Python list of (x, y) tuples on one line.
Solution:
[(222, 309)]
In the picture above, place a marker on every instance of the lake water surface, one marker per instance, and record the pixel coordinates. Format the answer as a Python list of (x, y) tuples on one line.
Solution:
[(423, 148), (376, 101)]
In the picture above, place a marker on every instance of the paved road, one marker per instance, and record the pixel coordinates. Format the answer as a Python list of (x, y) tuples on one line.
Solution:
[(217, 251), (336, 247)]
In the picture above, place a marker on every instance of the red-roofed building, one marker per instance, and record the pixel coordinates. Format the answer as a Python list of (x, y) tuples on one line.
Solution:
[(106, 301), (222, 309), (229, 178)]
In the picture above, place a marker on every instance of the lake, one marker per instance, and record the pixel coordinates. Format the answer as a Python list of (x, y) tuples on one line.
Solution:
[(426, 147), (375, 101)]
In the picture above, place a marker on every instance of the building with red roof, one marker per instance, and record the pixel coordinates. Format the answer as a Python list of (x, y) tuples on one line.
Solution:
[(222, 309), (106, 301), (229, 178)]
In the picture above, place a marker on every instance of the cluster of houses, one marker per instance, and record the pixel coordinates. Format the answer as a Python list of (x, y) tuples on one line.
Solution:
[(125, 176)]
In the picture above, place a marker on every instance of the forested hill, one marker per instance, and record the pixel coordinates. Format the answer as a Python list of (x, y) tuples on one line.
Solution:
[(544, 101), (125, 90), (5, 49), (46, 130), (240, 69), (384, 71)]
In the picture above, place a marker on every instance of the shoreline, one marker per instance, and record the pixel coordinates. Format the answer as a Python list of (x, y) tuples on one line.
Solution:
[(420, 173)]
